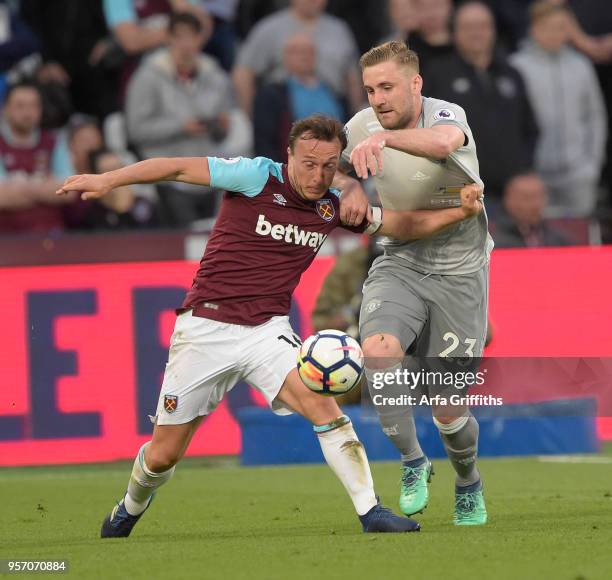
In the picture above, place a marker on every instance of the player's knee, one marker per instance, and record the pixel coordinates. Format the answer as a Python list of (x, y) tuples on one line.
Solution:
[(379, 348), (161, 458)]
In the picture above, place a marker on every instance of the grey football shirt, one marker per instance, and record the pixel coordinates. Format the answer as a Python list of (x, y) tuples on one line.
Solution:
[(408, 182)]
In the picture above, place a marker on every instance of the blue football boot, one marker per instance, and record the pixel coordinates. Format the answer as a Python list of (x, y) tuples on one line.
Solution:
[(381, 519), (119, 523)]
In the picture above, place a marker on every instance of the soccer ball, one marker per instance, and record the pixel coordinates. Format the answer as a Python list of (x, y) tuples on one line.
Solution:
[(330, 362)]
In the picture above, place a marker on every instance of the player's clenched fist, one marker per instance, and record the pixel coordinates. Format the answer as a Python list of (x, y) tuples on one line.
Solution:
[(471, 199), (367, 156), (89, 186)]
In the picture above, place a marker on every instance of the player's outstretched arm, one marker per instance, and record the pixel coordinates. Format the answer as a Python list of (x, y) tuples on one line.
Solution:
[(412, 225), (186, 169)]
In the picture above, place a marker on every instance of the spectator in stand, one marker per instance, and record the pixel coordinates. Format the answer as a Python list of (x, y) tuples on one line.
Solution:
[(17, 42), (365, 19), (279, 104), (261, 56), (590, 27), (521, 224), (180, 104), (124, 207), (139, 26), (84, 137), (425, 25), (570, 112), (593, 26), (493, 95), (403, 19), (72, 33), (223, 42), (33, 165)]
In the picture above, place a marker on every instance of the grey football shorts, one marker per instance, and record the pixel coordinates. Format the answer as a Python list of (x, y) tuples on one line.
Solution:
[(431, 315)]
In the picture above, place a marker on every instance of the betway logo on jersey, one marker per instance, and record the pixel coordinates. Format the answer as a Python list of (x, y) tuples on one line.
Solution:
[(289, 233)]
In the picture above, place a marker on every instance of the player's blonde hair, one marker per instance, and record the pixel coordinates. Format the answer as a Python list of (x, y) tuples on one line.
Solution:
[(395, 51)]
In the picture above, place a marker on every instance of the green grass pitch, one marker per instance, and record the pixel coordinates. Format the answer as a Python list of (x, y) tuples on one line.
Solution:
[(218, 520)]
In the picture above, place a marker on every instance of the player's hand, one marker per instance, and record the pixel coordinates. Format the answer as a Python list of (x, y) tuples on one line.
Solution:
[(367, 156), (471, 199), (353, 205), (88, 186)]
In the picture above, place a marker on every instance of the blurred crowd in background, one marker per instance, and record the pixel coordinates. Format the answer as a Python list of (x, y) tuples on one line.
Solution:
[(90, 85)]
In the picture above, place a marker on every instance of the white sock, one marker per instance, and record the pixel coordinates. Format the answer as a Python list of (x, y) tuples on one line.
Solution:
[(346, 456), (142, 485)]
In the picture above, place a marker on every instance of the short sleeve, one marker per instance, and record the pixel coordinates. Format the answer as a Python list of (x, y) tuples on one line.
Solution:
[(449, 114), (118, 11), (243, 175)]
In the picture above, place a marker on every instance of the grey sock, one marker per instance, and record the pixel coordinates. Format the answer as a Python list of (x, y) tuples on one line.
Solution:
[(460, 439), (397, 422)]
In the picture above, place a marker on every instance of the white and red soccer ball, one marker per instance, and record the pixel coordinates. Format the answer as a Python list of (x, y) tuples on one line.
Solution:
[(330, 362)]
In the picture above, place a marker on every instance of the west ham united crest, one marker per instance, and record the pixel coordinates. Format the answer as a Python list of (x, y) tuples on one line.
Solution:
[(170, 403), (325, 209)]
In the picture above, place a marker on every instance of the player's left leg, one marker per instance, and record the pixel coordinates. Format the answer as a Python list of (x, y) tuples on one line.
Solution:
[(460, 437), (458, 326), (344, 453)]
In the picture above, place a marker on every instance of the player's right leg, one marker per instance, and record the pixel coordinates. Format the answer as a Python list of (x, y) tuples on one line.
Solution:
[(153, 466), (201, 367), (392, 317)]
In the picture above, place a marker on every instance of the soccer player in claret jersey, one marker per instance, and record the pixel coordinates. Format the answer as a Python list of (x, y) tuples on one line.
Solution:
[(233, 324)]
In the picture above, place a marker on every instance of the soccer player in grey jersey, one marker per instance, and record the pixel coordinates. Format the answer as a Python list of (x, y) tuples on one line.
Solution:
[(428, 295)]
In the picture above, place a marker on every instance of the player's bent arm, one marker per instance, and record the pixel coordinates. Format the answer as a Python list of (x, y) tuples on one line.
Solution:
[(185, 169), (412, 225), (437, 142)]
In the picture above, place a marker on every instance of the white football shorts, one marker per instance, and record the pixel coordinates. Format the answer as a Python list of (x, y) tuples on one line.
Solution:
[(208, 358)]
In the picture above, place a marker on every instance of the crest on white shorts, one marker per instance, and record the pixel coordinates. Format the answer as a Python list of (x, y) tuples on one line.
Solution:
[(170, 403)]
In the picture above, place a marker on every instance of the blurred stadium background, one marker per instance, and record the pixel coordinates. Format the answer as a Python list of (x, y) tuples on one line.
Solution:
[(87, 290)]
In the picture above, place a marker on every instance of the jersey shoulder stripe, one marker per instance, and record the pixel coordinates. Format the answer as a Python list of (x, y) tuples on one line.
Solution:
[(243, 175)]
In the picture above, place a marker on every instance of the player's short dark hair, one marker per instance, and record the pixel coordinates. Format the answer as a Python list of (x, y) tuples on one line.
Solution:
[(395, 50), (184, 19), (318, 127), (25, 84)]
